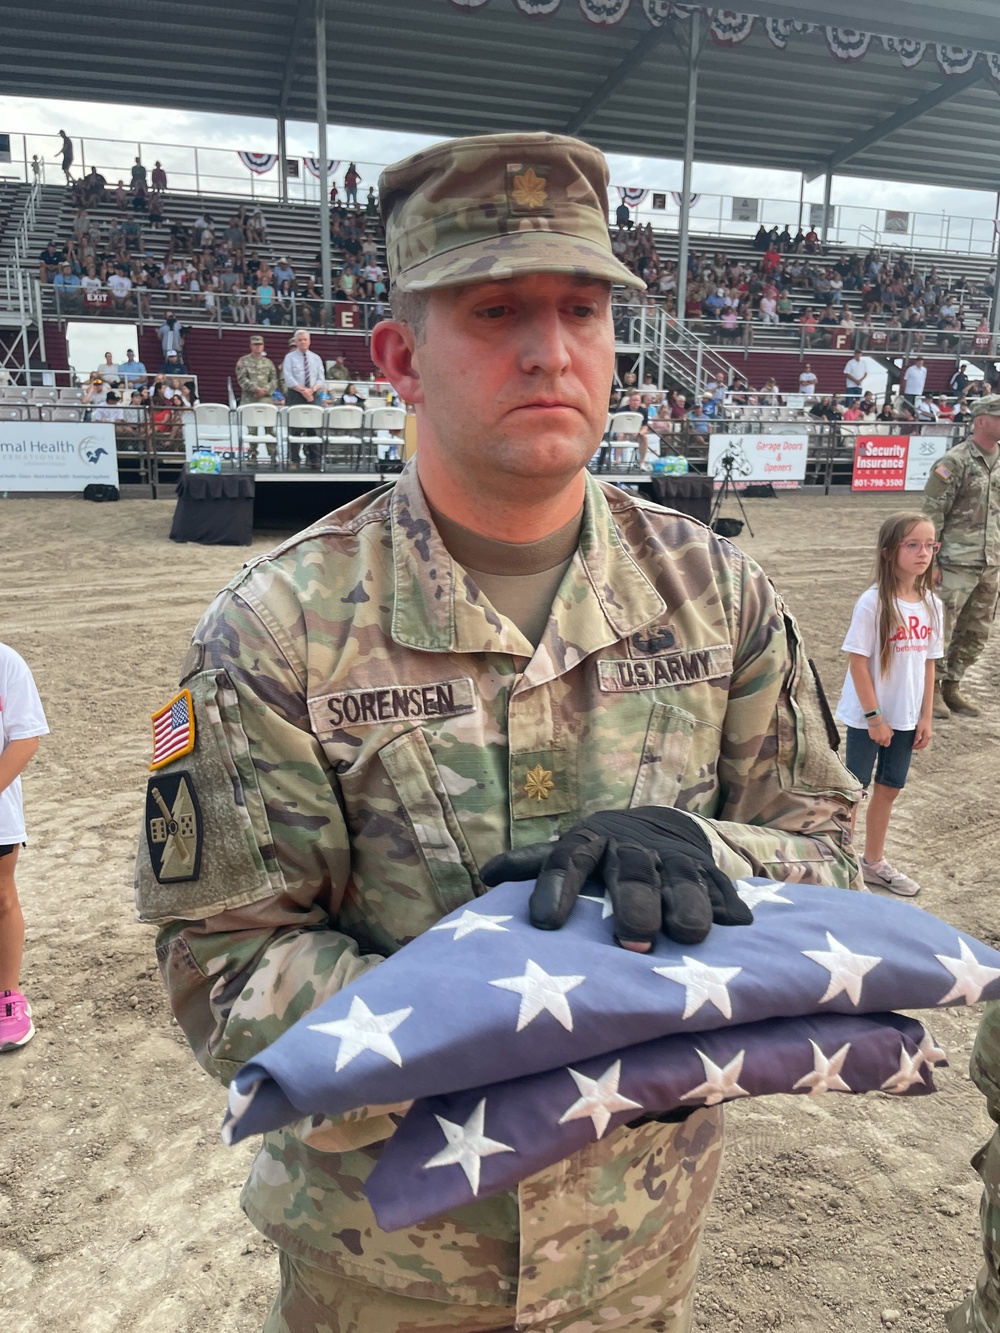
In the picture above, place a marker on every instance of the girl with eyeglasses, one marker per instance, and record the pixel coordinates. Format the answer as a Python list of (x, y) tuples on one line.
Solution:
[(894, 638)]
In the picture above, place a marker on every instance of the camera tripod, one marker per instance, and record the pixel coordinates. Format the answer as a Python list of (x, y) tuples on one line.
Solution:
[(730, 463)]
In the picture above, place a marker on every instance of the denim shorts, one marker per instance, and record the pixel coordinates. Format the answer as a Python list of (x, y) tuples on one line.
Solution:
[(891, 762)]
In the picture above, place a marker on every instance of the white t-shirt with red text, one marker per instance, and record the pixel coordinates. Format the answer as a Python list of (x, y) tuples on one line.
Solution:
[(917, 641), (21, 718)]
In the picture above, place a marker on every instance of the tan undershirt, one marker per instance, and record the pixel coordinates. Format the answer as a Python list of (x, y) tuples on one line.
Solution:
[(519, 579)]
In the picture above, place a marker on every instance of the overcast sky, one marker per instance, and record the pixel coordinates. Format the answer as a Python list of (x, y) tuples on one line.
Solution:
[(34, 116)]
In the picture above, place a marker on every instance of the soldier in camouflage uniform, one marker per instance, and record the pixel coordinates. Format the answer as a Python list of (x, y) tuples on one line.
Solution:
[(257, 378), (470, 661), (962, 499), (980, 1312)]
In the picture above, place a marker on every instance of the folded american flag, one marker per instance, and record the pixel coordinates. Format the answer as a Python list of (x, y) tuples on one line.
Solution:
[(482, 1002)]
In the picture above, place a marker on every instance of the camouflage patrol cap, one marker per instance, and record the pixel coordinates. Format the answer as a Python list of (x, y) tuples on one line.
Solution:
[(498, 206), (256, 338), (987, 406)]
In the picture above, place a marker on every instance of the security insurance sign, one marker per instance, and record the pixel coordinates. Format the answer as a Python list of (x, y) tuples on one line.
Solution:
[(895, 462), (56, 455), (779, 459)]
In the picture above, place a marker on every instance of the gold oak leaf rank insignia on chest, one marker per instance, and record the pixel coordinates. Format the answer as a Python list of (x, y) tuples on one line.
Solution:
[(173, 827)]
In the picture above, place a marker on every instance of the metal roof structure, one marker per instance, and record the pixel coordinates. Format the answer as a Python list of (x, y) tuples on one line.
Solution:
[(448, 67)]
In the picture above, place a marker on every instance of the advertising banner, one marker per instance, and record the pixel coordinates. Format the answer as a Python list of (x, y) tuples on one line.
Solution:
[(779, 459), (895, 220), (745, 210), (56, 455), (895, 462), (923, 453)]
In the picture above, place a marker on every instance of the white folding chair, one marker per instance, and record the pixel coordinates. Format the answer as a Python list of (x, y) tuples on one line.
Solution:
[(626, 452), (11, 412), (342, 437), (44, 393), (14, 393), (71, 395), (383, 427), (213, 425), (304, 432), (258, 424)]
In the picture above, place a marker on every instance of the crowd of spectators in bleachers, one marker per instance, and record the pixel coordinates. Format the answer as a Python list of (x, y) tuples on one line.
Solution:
[(119, 259), (792, 283), (682, 423)]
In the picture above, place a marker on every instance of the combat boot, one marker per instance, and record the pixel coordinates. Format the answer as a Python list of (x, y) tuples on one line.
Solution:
[(956, 701), (940, 708)]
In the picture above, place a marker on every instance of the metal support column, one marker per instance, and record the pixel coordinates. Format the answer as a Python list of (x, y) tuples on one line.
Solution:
[(693, 55), (282, 161), (324, 160), (802, 193), (827, 188), (995, 298)]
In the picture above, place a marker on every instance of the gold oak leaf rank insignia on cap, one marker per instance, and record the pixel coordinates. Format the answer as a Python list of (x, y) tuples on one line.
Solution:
[(527, 190), (173, 827)]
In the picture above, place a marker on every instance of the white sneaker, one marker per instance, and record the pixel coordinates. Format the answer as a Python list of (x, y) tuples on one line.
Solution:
[(881, 875)]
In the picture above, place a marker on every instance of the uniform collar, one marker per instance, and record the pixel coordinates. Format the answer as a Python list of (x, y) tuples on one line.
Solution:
[(604, 595)]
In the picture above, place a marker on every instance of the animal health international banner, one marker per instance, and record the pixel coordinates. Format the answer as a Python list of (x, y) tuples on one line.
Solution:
[(56, 455)]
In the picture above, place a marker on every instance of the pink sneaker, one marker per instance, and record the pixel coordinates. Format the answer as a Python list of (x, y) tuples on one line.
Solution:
[(16, 1027)]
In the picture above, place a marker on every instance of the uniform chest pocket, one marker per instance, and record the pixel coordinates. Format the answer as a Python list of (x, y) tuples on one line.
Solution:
[(665, 754), (411, 768)]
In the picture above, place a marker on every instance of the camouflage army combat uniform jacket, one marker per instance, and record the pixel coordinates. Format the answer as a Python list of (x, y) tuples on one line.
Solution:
[(256, 372), (370, 732), (962, 500)]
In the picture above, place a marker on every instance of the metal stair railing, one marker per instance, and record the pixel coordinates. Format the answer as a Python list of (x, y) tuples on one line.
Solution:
[(681, 354), (25, 224)]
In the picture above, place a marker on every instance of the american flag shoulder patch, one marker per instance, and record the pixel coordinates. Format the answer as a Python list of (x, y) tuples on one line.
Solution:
[(943, 471), (173, 730)]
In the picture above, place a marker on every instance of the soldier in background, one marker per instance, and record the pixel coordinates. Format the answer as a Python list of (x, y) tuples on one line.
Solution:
[(257, 377), (429, 690), (256, 374), (962, 499)]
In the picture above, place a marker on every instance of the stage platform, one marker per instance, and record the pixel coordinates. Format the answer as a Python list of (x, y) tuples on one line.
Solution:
[(295, 499)]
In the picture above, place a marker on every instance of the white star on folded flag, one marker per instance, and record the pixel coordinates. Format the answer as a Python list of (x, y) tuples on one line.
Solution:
[(607, 908), (467, 1145), (847, 970), (599, 1098), (362, 1030), (908, 1073), (719, 1083), (703, 985), (755, 894), (538, 992), (930, 1052), (471, 921), (971, 977), (825, 1076)]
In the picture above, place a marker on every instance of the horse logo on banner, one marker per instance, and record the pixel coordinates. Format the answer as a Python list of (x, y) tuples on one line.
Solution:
[(631, 195), (258, 163), (313, 165)]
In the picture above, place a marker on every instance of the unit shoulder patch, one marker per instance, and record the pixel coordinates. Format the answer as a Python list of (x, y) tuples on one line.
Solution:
[(173, 826), (173, 730)]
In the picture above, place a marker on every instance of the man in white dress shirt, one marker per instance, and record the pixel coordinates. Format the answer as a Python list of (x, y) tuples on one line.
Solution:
[(303, 374)]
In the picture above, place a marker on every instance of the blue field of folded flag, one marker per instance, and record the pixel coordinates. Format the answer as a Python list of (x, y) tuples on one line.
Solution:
[(518, 1046)]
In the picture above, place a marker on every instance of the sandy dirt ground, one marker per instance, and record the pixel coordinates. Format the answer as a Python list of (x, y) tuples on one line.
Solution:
[(118, 1203)]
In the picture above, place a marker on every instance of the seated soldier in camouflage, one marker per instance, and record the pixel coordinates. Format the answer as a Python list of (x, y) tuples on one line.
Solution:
[(496, 667)]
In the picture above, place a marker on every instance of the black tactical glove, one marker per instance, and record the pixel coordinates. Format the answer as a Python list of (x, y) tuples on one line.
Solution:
[(656, 864)]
